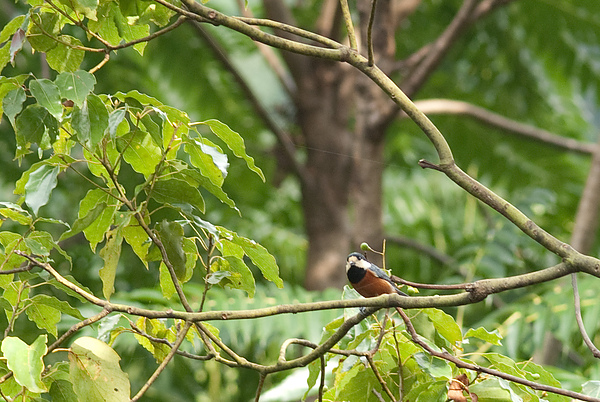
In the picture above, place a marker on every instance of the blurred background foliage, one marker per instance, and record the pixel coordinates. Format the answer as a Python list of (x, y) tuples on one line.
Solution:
[(536, 62)]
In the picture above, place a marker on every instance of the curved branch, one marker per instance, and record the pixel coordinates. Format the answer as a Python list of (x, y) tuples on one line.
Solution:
[(454, 107)]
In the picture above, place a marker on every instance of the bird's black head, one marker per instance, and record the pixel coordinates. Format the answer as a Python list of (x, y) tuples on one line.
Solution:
[(357, 260)]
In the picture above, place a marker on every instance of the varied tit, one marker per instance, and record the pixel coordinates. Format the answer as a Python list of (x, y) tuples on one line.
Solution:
[(368, 279)]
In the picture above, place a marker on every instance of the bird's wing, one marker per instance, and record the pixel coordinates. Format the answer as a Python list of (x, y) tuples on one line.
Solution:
[(383, 275)]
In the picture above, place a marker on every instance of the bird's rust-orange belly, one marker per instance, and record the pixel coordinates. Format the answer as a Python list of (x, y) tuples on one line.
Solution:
[(372, 286)]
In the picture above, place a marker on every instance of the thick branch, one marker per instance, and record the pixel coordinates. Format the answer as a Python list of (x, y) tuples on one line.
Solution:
[(476, 291)]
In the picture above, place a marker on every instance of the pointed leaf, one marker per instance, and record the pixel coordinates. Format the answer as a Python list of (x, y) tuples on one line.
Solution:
[(444, 324), (82, 223), (171, 235), (110, 253), (240, 276), (10, 28), (47, 94), (12, 104), (16, 44), (235, 142), (32, 123), (257, 253), (60, 305), (176, 191), (204, 162), (493, 337), (44, 24), (40, 186), (96, 231)]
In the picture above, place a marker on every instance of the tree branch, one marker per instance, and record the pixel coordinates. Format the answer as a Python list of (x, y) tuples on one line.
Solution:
[(469, 366), (438, 49), (283, 136), (454, 107)]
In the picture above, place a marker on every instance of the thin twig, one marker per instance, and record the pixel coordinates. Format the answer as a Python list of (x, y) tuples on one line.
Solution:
[(77, 327), (163, 364), (577, 304), (371, 57), (261, 382), (454, 107), (28, 267), (349, 25), (322, 382), (379, 377), (183, 353)]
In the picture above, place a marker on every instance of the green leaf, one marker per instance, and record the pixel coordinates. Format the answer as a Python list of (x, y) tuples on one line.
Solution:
[(64, 57), (444, 324), (47, 94), (31, 125), (235, 142), (85, 7), (171, 236), (434, 392), (62, 390), (131, 32), (8, 84), (493, 337), (114, 120), (90, 120), (591, 388), (140, 151), (176, 191), (435, 367), (43, 24), (166, 284), (491, 390), (257, 253), (96, 231), (138, 239), (204, 162), (4, 55), (240, 275), (82, 223), (16, 213), (75, 86), (10, 28), (26, 362), (142, 99), (40, 243), (60, 305), (44, 316), (40, 186), (95, 372), (12, 104), (110, 253)]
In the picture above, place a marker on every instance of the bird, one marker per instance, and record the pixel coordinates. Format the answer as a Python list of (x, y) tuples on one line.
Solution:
[(368, 279)]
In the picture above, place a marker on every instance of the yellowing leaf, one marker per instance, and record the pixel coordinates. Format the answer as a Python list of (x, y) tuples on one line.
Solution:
[(95, 372)]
